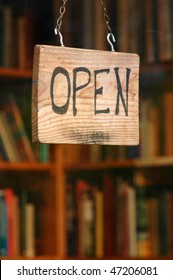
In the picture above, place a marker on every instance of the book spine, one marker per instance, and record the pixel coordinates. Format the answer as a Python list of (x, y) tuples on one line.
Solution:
[(71, 219), (143, 234), (3, 152), (168, 127), (16, 225), (88, 21), (85, 216), (15, 134), (132, 221), (7, 139), (165, 36), (109, 214), (99, 223), (21, 128), (123, 34), (3, 225), (44, 152), (88, 220), (7, 36), (23, 202), (30, 230), (163, 223), (9, 202)]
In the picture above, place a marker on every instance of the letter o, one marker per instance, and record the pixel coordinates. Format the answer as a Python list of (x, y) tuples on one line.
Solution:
[(60, 109)]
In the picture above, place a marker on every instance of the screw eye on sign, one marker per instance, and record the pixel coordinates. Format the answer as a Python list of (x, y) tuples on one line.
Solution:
[(85, 96)]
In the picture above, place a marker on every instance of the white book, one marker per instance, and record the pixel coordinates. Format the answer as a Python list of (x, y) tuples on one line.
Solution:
[(132, 221), (30, 230), (87, 226)]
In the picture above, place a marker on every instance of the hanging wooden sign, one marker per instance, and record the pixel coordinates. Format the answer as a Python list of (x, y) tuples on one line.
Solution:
[(85, 96)]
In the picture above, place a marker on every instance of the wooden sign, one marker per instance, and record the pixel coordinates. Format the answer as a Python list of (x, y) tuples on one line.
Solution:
[(85, 96)]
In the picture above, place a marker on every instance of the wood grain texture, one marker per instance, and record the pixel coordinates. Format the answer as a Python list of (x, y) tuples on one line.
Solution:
[(99, 93)]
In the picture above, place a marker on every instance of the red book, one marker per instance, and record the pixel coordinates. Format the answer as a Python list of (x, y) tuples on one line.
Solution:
[(109, 188)]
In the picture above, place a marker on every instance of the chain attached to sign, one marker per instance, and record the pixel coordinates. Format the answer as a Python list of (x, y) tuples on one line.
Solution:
[(59, 22), (85, 96), (106, 17)]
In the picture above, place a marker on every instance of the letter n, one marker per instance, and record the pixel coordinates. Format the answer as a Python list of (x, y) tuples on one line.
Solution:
[(120, 93)]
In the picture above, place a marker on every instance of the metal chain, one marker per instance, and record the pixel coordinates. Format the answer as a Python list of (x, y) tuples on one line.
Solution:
[(106, 17), (59, 22), (61, 12)]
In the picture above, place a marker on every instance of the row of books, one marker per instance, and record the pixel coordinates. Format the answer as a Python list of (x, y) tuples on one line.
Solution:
[(93, 154), (154, 194), (139, 26), (112, 216), (16, 37), (15, 145), (145, 27), (14, 142), (17, 224)]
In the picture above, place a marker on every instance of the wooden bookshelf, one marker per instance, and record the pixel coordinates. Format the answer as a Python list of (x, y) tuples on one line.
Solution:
[(24, 166), (34, 178), (157, 162)]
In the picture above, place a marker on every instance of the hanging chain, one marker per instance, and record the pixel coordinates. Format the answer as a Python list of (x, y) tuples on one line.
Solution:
[(59, 22), (106, 17)]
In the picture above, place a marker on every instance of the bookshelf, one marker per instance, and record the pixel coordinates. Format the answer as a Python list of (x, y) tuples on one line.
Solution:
[(12, 73), (27, 182), (33, 177), (115, 188)]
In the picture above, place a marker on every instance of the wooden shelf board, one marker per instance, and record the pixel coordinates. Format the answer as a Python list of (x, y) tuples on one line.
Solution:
[(25, 73), (12, 73), (157, 67), (159, 161), (100, 165), (26, 166)]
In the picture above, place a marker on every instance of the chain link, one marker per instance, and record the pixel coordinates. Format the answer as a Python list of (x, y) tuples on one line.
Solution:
[(106, 17), (59, 20)]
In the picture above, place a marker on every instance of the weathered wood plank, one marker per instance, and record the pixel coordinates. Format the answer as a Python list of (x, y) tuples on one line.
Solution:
[(85, 96)]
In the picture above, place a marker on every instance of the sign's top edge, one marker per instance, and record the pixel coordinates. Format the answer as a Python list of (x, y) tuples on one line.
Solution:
[(43, 47)]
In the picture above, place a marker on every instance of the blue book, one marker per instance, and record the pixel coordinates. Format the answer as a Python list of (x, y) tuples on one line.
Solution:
[(44, 152), (3, 226)]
